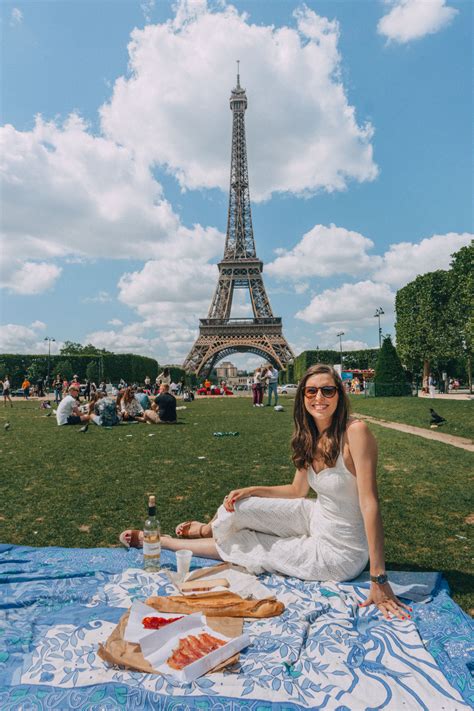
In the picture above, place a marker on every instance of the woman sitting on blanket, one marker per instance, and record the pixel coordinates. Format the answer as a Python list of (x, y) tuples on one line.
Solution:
[(277, 529)]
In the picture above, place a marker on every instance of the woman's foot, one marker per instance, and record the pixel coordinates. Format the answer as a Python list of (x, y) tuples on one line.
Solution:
[(194, 529), (131, 538)]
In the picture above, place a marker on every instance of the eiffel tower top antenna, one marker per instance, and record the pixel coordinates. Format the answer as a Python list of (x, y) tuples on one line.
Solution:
[(238, 73)]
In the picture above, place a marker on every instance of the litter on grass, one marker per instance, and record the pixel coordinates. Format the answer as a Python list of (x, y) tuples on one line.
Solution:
[(201, 457), (226, 434)]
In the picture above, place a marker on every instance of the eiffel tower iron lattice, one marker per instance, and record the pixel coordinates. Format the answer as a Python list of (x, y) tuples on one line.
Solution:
[(219, 334)]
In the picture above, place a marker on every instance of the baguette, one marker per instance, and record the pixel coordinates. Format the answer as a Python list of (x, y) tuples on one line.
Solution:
[(217, 604)]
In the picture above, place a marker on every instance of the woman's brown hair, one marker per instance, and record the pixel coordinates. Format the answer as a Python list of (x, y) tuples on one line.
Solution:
[(306, 440)]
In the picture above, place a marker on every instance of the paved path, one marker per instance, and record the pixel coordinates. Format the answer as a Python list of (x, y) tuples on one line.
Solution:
[(461, 442)]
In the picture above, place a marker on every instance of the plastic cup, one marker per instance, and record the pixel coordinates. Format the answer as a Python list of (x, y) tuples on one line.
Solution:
[(183, 562)]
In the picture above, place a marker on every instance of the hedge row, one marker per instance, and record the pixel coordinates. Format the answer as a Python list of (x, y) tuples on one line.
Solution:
[(362, 359), (133, 368)]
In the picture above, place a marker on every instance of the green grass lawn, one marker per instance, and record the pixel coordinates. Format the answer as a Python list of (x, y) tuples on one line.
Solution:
[(61, 487), (416, 411)]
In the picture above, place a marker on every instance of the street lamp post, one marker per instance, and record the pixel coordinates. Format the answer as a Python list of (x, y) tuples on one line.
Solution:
[(340, 335), (378, 313), (50, 340)]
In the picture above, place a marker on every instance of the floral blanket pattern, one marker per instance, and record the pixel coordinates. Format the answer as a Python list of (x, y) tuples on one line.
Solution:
[(322, 653)]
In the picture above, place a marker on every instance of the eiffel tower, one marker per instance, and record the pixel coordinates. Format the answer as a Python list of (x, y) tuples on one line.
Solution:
[(220, 335)]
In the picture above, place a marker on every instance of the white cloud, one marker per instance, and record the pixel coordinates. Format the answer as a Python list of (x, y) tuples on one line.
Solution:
[(187, 281), (15, 338), (348, 304), (28, 278), (115, 322), (122, 341), (16, 17), (147, 7), (349, 345), (102, 297), (172, 109), (412, 19), (405, 261), (325, 251), (69, 194)]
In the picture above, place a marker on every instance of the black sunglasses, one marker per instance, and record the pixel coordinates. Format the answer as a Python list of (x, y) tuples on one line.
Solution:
[(327, 391)]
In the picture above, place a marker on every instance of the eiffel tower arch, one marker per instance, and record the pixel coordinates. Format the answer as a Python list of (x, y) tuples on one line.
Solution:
[(219, 334)]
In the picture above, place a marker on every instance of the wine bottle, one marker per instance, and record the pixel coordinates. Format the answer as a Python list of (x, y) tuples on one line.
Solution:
[(151, 539)]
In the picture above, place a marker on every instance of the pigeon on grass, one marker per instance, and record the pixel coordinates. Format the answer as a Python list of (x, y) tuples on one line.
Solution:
[(6, 426), (436, 419), (85, 428)]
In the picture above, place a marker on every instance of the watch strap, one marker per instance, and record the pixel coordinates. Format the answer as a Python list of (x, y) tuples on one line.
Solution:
[(380, 579)]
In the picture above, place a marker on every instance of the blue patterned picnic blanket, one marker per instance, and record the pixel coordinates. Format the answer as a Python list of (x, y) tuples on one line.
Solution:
[(57, 604)]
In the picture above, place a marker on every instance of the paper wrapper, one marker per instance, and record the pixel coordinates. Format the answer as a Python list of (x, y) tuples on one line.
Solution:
[(115, 651)]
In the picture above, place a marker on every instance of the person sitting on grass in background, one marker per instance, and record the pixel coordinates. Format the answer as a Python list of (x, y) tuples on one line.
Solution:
[(68, 412), (143, 399), (163, 409), (105, 412), (130, 408), (278, 530)]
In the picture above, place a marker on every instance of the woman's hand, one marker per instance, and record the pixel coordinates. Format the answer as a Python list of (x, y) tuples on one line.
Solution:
[(236, 495), (389, 605)]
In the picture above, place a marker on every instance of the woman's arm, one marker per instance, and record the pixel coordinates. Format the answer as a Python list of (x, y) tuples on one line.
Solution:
[(298, 489), (363, 449)]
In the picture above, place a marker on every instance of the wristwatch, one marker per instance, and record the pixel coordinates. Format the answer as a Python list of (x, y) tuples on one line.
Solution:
[(380, 579)]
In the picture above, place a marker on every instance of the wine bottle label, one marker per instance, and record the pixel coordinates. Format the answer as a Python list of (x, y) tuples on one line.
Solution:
[(151, 548)]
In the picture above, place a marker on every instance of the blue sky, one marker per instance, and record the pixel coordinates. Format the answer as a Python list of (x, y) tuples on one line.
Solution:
[(116, 151)]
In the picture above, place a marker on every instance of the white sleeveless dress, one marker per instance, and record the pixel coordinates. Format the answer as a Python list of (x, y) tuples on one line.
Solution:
[(322, 539)]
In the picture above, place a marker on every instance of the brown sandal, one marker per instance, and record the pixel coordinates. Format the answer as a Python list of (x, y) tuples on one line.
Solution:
[(186, 527)]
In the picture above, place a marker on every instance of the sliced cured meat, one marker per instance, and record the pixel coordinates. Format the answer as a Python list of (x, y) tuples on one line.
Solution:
[(209, 642), (192, 648)]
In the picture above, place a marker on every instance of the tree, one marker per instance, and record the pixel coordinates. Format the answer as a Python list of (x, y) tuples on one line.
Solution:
[(72, 348), (38, 368), (390, 378), (426, 324), (462, 294), (434, 317), (64, 368)]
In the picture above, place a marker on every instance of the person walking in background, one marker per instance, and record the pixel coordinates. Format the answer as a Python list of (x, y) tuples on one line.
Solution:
[(431, 385), (257, 388), (25, 386), (163, 378), (272, 380), (6, 391), (57, 387), (40, 387)]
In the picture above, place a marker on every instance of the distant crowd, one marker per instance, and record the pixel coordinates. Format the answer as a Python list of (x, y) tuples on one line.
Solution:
[(107, 405)]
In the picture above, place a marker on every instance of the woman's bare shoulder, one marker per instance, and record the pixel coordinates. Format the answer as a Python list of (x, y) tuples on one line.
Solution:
[(357, 431)]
